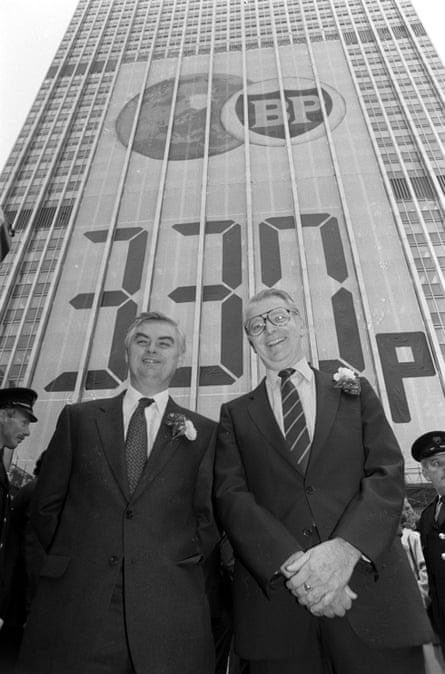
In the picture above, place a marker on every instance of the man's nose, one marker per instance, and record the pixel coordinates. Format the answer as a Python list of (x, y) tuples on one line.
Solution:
[(269, 327)]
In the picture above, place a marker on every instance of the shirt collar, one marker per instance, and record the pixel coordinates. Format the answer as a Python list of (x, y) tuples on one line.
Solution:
[(301, 367), (132, 396)]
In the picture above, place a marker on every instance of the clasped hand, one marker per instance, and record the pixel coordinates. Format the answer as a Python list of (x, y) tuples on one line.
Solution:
[(319, 577)]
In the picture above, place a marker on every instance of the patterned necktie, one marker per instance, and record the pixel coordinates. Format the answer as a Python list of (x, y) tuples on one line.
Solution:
[(440, 512), (136, 443), (295, 429)]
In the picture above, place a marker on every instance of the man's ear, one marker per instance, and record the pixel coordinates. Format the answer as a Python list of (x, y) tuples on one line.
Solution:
[(252, 344), (425, 473)]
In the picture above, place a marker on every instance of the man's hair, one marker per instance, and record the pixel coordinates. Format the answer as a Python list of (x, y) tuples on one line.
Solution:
[(271, 292), (10, 410), (155, 316)]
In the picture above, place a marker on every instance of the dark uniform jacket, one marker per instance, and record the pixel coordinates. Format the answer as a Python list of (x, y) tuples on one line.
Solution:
[(433, 543), (9, 555), (5, 519)]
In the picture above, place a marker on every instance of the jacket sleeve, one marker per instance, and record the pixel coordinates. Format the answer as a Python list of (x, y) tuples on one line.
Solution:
[(261, 541), (52, 483), (371, 520), (208, 533)]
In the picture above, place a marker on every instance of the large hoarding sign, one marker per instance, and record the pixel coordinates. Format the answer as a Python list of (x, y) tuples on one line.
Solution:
[(265, 122), (228, 250)]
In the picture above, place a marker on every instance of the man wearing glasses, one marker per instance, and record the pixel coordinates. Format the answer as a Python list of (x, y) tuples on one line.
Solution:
[(309, 488)]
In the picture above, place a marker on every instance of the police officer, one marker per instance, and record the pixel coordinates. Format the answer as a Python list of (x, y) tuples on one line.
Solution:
[(16, 413), (429, 449)]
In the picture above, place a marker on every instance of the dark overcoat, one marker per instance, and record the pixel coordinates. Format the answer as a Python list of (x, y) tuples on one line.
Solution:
[(432, 536), (353, 488), (91, 528)]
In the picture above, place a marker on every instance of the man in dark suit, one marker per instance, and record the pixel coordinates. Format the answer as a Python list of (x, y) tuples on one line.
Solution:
[(122, 589), (16, 414), (429, 449), (309, 488)]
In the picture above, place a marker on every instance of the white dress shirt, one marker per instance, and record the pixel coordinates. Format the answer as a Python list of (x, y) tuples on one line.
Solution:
[(304, 381), (153, 413)]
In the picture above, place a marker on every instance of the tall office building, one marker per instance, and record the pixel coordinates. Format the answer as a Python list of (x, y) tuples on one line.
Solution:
[(183, 154)]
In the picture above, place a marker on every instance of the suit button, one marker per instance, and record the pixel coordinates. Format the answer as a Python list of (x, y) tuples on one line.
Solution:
[(442, 536), (309, 490), (308, 532), (129, 514), (113, 560), (443, 555)]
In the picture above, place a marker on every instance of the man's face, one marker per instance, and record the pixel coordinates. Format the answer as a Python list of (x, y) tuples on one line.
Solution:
[(434, 471), (13, 429), (277, 346), (153, 355)]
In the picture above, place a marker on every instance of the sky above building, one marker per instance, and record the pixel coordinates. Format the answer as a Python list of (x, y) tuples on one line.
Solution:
[(30, 32)]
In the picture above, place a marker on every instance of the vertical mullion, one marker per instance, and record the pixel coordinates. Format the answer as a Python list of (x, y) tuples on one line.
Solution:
[(147, 280), (197, 317), (252, 271), (313, 352)]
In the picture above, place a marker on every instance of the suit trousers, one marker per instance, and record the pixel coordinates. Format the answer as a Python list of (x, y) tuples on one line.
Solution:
[(334, 648), (111, 654)]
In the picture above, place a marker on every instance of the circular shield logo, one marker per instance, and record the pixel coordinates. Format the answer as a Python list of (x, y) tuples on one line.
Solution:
[(302, 111)]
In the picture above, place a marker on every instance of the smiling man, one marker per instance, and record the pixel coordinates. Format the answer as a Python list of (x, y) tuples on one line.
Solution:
[(123, 508), (309, 488)]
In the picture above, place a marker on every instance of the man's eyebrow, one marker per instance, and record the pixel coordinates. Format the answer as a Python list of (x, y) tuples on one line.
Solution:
[(143, 335)]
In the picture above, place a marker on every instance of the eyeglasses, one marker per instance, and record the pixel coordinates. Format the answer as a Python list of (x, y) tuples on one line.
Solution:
[(280, 316)]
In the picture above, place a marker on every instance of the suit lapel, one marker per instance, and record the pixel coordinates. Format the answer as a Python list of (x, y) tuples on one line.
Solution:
[(163, 449), (110, 425), (327, 402), (262, 415)]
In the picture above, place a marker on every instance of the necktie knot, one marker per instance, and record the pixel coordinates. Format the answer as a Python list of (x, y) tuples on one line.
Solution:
[(145, 402), (286, 373)]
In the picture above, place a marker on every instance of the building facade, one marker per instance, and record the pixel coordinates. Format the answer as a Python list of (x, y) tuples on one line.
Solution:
[(183, 154)]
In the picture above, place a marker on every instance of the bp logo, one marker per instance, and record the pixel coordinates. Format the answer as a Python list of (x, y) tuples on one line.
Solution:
[(267, 116), (266, 121)]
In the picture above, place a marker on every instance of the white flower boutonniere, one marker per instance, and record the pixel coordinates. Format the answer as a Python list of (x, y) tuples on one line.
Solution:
[(181, 426), (347, 380)]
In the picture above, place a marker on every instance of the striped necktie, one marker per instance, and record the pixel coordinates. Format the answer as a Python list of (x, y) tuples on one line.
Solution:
[(136, 443), (295, 429)]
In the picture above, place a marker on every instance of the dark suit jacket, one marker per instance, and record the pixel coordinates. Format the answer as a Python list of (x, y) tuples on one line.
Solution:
[(353, 488), (89, 525), (433, 543)]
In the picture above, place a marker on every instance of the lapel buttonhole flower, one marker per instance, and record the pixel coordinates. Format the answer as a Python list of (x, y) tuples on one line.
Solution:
[(181, 426), (347, 380)]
